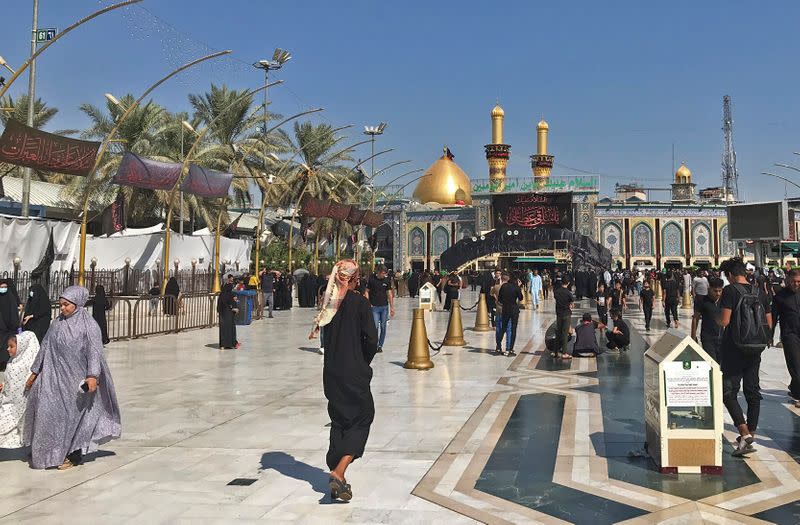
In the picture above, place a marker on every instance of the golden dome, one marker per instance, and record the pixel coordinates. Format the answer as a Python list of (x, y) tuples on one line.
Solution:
[(683, 173), (542, 125), (498, 111), (444, 183)]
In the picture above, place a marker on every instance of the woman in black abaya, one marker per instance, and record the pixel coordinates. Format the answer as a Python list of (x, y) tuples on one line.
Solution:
[(171, 293), (351, 341), (9, 318), (37, 312), (227, 308), (100, 304)]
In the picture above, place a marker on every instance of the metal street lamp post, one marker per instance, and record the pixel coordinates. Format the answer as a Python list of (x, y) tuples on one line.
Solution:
[(279, 58), (372, 131), (26, 173)]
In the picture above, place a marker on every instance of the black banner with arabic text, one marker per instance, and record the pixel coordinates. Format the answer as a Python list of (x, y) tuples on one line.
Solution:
[(21, 145), (140, 172), (206, 183), (531, 210)]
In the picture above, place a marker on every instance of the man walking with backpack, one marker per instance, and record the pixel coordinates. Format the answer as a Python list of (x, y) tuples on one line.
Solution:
[(747, 324)]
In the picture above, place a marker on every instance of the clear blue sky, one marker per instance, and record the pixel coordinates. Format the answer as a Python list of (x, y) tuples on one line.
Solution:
[(618, 81)]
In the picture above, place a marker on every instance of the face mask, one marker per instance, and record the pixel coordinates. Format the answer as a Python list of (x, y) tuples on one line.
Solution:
[(30, 293), (3, 290)]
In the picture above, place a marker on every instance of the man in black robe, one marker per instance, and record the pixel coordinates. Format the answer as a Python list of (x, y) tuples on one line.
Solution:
[(351, 341)]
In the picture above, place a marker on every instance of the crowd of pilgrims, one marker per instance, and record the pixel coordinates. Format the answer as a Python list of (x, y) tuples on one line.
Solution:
[(58, 395)]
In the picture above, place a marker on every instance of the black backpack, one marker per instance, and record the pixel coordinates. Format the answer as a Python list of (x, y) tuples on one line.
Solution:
[(750, 332)]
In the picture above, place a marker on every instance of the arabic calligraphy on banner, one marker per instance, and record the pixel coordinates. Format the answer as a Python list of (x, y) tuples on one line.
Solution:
[(21, 145), (527, 184), (529, 210), (145, 173), (206, 183)]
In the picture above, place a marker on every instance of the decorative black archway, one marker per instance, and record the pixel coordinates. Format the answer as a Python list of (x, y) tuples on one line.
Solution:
[(586, 252)]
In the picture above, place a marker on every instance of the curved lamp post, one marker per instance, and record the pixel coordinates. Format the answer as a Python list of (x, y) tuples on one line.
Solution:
[(58, 36), (104, 148)]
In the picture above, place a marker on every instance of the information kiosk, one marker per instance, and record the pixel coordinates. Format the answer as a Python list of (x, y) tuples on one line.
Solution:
[(426, 296), (683, 406)]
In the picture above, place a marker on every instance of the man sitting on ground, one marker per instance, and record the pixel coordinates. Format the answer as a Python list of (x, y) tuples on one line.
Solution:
[(585, 337), (620, 337)]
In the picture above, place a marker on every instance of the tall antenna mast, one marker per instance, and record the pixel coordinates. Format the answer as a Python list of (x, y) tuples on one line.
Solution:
[(730, 177)]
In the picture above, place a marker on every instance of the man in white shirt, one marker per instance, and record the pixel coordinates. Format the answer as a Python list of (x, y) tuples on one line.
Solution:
[(700, 286)]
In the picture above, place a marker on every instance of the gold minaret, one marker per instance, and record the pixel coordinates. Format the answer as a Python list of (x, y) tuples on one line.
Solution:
[(541, 163), (497, 153)]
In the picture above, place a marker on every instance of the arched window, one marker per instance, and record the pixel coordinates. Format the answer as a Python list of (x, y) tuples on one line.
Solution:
[(642, 240), (416, 242), (672, 240), (441, 240), (611, 238), (701, 239), (727, 248)]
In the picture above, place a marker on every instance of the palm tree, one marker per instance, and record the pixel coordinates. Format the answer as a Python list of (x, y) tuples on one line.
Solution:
[(42, 114), (233, 142), (319, 169)]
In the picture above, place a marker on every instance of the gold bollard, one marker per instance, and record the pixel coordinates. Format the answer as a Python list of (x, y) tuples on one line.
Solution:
[(526, 296), (419, 356), (657, 288), (687, 299), (455, 332), (482, 316)]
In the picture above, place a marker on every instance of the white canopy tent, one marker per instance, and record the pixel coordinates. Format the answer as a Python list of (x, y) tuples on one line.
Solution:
[(144, 250), (28, 239)]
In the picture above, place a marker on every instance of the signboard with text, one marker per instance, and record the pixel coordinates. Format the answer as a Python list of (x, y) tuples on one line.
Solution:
[(531, 210), (45, 34), (554, 183), (687, 384)]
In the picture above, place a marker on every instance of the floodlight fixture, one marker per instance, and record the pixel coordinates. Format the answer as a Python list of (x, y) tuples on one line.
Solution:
[(279, 58), (111, 98), (375, 130)]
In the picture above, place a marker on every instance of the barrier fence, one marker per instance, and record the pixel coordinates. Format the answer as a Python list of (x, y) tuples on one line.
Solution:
[(124, 281), (131, 317)]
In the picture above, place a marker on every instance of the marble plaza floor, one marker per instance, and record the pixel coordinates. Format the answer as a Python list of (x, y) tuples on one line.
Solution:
[(479, 438)]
